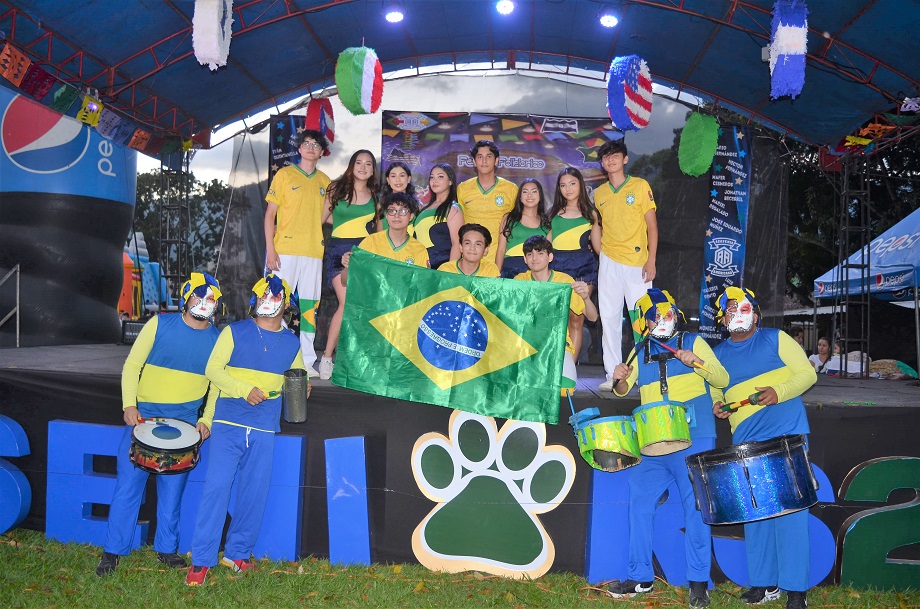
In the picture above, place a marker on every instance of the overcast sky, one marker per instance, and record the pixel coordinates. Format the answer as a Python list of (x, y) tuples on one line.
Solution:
[(508, 93)]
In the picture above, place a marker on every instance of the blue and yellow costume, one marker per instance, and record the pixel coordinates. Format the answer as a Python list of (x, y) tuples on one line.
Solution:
[(572, 248), (163, 376), (664, 378), (514, 264), (246, 356), (777, 548), (350, 224), (434, 234)]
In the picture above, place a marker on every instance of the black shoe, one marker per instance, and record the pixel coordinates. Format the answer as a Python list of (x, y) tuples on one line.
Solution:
[(107, 564), (699, 594), (796, 600), (758, 595), (629, 588), (173, 561)]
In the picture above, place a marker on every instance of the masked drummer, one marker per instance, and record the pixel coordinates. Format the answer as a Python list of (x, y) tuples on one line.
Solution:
[(767, 362), (684, 373), (247, 366), (164, 376)]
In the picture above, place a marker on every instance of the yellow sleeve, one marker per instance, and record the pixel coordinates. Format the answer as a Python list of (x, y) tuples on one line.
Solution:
[(216, 370), (629, 381), (577, 304), (207, 417), (717, 375), (717, 394), (276, 188), (803, 373), (131, 371)]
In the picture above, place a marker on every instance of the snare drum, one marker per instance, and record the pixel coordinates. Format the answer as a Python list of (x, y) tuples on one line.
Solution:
[(608, 444), (662, 428), (753, 481), (165, 446)]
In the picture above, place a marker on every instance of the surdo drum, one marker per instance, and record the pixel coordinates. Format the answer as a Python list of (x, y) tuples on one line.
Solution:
[(165, 446)]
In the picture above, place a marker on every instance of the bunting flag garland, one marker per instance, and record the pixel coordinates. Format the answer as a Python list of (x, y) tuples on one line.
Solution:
[(788, 46), (37, 82), (63, 98), (320, 118), (359, 80), (14, 64), (139, 139), (108, 123), (629, 93), (211, 30), (90, 111), (698, 142), (910, 104)]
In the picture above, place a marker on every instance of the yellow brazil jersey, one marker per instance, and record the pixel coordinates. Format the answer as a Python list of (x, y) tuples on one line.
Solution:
[(410, 252), (299, 197), (486, 268), (487, 207), (576, 303), (622, 211)]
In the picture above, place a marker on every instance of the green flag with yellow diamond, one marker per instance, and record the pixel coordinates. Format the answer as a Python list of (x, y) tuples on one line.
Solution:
[(489, 346)]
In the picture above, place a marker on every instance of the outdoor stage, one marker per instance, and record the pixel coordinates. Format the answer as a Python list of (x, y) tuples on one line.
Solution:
[(852, 421)]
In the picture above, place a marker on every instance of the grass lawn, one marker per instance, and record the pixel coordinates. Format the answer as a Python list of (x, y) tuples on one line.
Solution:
[(44, 573)]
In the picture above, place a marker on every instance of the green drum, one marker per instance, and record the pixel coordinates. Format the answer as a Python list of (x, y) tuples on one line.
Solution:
[(662, 428), (608, 444)]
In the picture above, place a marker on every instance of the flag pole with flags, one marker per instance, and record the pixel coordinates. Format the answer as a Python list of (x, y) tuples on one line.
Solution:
[(488, 346)]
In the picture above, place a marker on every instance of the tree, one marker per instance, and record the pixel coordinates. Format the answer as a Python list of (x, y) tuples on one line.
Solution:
[(207, 204)]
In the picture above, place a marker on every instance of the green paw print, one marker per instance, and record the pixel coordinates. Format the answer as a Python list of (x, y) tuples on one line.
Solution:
[(489, 486)]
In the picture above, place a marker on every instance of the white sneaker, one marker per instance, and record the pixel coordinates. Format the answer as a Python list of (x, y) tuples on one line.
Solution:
[(325, 369), (311, 372), (606, 385)]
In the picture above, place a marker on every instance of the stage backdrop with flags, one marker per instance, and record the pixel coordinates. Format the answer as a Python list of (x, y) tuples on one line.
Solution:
[(531, 146), (488, 346), (283, 148), (724, 245)]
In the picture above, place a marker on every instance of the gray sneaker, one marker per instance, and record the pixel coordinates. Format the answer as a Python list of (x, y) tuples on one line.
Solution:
[(759, 595), (629, 588), (699, 594), (325, 369)]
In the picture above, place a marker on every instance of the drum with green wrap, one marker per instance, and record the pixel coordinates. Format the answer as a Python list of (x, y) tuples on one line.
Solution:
[(608, 444), (662, 428)]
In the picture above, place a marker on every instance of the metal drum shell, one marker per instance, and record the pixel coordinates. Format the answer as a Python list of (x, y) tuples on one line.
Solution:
[(753, 481), (615, 449), (657, 440)]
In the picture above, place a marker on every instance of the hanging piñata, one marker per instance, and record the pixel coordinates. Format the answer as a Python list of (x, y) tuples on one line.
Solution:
[(629, 93), (359, 79), (211, 29), (698, 142), (788, 45), (319, 118)]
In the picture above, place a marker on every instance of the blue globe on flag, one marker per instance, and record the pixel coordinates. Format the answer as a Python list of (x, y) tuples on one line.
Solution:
[(453, 335)]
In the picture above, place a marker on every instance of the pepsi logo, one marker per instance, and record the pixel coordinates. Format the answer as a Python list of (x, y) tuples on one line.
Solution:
[(39, 140)]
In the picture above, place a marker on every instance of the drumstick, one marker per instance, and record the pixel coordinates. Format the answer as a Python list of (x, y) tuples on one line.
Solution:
[(674, 351), (150, 420), (733, 406), (635, 353)]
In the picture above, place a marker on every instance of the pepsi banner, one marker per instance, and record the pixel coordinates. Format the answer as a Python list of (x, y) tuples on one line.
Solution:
[(726, 228), (44, 151), (531, 146)]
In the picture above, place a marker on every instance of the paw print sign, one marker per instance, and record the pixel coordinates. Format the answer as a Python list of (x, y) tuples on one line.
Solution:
[(489, 486)]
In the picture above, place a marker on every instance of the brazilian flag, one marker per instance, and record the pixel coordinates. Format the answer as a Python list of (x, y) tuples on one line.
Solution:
[(489, 346)]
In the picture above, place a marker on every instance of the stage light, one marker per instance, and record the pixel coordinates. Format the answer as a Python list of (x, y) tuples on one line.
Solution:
[(608, 19), (394, 12), (504, 6)]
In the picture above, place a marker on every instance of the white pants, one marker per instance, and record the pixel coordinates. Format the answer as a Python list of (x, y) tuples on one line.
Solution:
[(617, 283), (305, 276)]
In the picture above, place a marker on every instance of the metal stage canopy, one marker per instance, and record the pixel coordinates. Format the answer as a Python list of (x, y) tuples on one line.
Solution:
[(861, 53)]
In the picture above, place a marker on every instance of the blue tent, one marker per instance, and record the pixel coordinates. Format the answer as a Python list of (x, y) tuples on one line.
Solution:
[(893, 258)]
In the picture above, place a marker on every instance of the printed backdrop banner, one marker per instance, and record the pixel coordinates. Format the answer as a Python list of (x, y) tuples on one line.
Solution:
[(283, 149), (531, 145), (726, 228)]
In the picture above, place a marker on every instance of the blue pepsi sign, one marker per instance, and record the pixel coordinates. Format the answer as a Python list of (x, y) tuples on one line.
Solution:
[(43, 151)]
